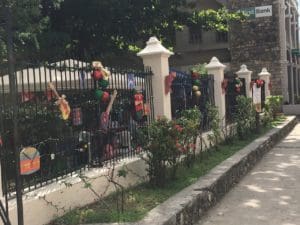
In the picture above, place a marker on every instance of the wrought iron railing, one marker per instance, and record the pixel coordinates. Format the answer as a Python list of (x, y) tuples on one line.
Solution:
[(182, 96), (79, 143), (231, 94)]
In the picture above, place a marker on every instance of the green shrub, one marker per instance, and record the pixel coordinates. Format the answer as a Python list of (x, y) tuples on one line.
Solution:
[(273, 105), (190, 123), (159, 143), (244, 116), (165, 142), (213, 118)]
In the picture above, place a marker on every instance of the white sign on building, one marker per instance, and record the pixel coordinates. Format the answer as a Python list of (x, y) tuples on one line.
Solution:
[(263, 11), (258, 12)]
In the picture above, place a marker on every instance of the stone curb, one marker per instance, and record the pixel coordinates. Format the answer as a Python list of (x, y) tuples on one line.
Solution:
[(189, 205)]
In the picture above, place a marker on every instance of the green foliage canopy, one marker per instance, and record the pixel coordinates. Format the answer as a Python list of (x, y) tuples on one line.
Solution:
[(101, 27)]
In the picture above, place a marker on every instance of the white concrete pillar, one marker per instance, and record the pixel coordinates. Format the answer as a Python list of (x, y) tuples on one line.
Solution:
[(265, 76), (156, 56), (217, 70), (244, 73)]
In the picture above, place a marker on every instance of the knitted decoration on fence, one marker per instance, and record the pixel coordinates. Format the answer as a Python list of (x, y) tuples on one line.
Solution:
[(270, 86), (196, 84), (168, 82), (139, 105), (224, 85), (259, 83), (238, 84), (101, 75), (77, 116), (146, 109)]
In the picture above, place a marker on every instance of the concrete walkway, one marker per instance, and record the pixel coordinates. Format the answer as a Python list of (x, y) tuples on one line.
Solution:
[(269, 194)]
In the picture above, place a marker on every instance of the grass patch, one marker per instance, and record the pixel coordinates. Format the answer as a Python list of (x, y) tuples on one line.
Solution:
[(139, 200)]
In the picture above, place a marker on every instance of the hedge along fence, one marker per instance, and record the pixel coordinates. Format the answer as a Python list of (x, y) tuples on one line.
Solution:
[(79, 143)]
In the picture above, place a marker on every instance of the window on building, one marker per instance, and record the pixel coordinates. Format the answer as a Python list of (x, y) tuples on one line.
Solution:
[(221, 37), (195, 34)]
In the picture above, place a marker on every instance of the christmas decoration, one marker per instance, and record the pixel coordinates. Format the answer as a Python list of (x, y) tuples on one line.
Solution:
[(224, 85), (102, 76), (195, 75), (105, 97), (29, 161), (49, 94), (84, 139), (195, 88), (61, 102), (109, 152), (105, 115), (196, 84), (168, 81), (103, 83), (198, 93), (146, 109), (238, 84), (97, 74), (139, 105), (77, 116), (259, 83), (27, 96), (131, 81), (98, 94)]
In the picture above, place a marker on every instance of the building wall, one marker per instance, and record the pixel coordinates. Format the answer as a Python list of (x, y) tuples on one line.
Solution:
[(256, 42), (188, 53)]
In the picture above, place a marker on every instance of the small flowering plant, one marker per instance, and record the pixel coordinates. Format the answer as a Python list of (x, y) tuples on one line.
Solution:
[(160, 142), (165, 141), (190, 124)]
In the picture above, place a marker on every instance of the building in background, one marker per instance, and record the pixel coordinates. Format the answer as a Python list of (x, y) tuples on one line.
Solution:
[(194, 45), (268, 38)]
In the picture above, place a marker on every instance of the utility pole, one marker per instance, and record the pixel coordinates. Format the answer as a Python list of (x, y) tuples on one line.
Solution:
[(13, 95)]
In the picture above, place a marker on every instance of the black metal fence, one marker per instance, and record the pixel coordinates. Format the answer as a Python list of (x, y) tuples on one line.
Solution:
[(66, 146), (183, 96), (232, 91)]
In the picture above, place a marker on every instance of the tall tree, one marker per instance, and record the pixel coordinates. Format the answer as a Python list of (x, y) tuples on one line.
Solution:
[(28, 24), (103, 27)]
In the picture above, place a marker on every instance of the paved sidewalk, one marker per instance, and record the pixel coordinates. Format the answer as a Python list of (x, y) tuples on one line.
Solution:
[(269, 194)]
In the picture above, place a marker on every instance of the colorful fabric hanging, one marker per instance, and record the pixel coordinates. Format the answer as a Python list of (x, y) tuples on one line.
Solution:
[(77, 116)]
